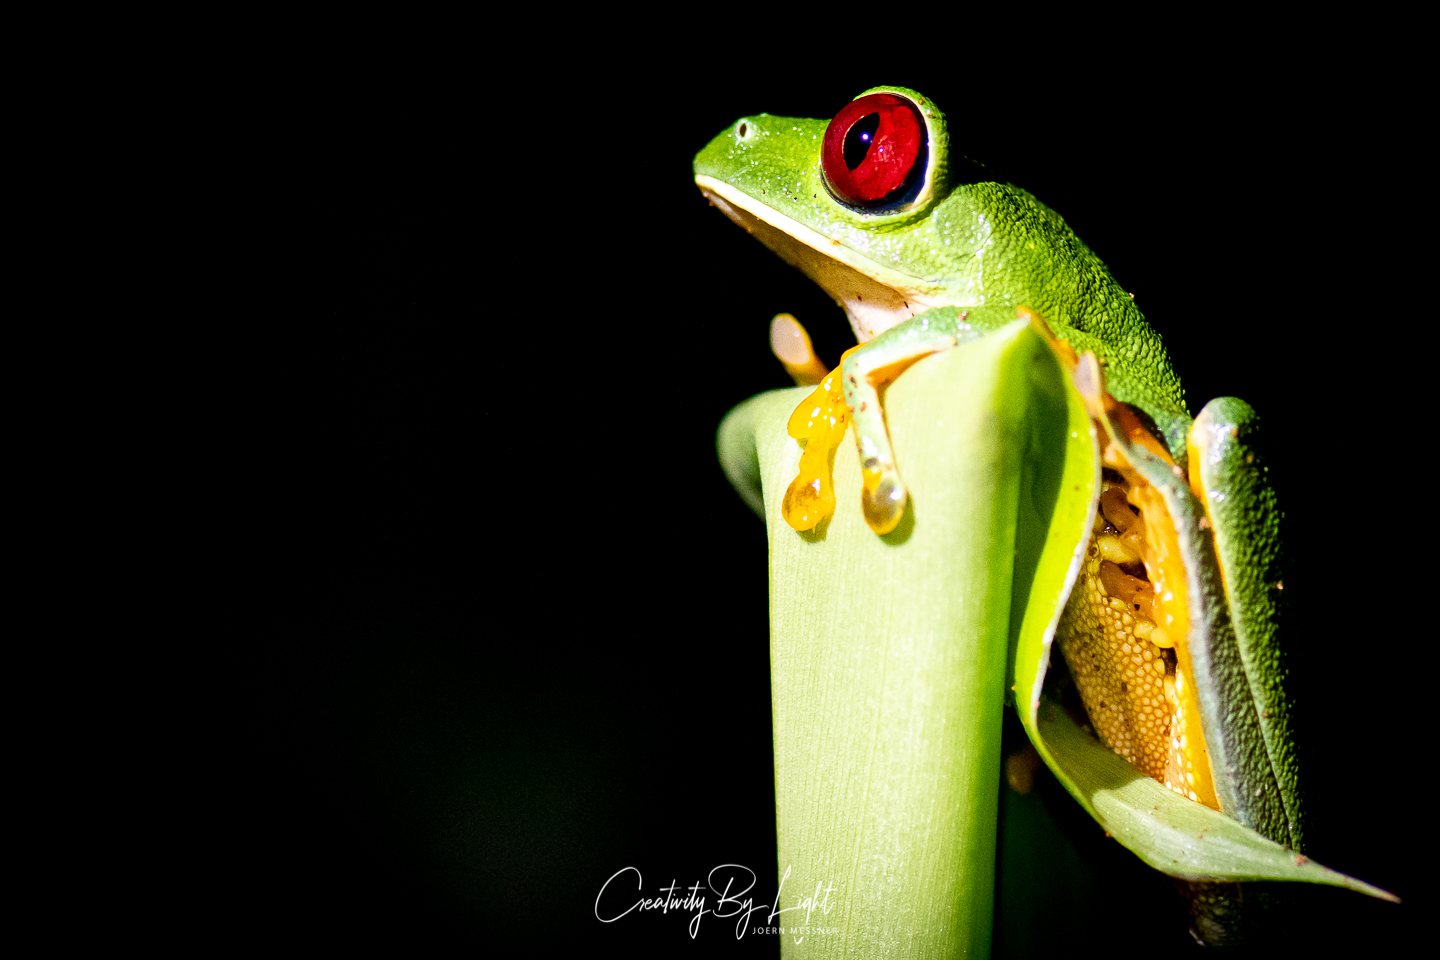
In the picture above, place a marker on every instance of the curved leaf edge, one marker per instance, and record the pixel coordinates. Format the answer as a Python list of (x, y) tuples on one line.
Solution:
[(1170, 833)]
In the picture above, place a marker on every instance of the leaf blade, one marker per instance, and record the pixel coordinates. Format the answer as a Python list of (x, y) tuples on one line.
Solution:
[(889, 655)]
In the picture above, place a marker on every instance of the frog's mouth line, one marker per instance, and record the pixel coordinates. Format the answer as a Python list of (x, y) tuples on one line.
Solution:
[(875, 297), (718, 191)]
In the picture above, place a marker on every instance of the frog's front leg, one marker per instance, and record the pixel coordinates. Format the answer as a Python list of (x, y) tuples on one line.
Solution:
[(822, 418), (876, 363), (863, 373)]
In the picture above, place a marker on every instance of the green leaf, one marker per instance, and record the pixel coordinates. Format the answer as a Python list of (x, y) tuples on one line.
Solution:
[(888, 659)]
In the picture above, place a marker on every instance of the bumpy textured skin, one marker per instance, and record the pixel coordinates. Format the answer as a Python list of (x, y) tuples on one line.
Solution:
[(967, 245), (1091, 633), (1225, 446), (1073, 291)]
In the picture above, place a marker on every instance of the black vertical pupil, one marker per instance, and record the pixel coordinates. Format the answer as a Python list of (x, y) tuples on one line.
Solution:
[(857, 141)]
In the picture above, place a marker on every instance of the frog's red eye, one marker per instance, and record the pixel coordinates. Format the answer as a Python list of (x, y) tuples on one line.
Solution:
[(874, 150)]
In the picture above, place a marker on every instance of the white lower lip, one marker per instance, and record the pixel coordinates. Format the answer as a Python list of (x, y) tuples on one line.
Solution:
[(875, 298), (723, 195)]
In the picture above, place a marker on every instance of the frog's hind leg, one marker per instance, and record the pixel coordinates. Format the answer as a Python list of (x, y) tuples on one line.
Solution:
[(864, 372)]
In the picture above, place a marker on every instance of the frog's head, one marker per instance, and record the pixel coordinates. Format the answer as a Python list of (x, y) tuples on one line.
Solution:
[(862, 203)]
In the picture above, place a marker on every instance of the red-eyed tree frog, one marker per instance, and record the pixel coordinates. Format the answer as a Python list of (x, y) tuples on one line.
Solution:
[(1168, 619)]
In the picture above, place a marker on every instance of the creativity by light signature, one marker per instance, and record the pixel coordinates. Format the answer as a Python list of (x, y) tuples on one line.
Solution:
[(729, 884)]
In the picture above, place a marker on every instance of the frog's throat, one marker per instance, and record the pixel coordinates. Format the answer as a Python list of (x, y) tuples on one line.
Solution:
[(874, 297)]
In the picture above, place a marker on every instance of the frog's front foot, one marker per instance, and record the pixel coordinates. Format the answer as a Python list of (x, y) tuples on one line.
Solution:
[(820, 421), (851, 394), (883, 494)]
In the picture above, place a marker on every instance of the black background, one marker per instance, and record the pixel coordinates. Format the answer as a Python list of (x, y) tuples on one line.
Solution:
[(532, 641)]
